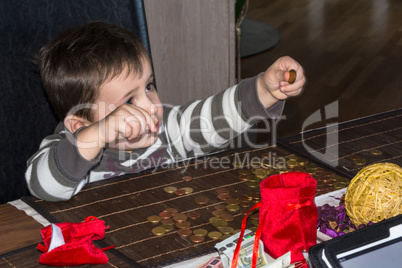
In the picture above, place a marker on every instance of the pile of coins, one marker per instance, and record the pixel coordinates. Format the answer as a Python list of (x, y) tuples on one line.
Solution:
[(258, 170), (229, 207), (222, 214), (170, 218)]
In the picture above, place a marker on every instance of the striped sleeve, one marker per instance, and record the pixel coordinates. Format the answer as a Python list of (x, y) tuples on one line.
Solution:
[(202, 126), (52, 177)]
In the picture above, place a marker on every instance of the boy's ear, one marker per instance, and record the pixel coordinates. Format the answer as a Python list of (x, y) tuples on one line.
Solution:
[(73, 123)]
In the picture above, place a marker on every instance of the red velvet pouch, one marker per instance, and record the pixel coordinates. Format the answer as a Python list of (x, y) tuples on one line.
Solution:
[(77, 253), (289, 214), (78, 248)]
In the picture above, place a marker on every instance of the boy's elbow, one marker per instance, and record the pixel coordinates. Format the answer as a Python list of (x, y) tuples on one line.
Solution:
[(51, 199), (44, 190)]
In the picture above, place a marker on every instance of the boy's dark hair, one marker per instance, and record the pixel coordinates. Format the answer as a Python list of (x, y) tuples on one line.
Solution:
[(78, 61)]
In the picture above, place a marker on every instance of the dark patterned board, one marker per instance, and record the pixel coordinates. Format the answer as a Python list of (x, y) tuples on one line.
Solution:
[(371, 140), (125, 203)]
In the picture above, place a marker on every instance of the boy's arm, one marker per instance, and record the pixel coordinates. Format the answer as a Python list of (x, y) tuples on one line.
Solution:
[(199, 127), (57, 171)]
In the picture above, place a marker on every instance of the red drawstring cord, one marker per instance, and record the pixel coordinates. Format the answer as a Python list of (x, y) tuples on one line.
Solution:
[(298, 206), (257, 240), (107, 248), (243, 228), (42, 248)]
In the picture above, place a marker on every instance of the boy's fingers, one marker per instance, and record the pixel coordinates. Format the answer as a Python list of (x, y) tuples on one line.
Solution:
[(150, 121)]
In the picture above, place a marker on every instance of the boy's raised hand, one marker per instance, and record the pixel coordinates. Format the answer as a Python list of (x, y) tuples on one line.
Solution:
[(129, 127), (273, 84)]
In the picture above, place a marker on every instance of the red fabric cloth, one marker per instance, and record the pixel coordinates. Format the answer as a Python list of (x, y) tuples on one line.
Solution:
[(78, 248), (287, 201)]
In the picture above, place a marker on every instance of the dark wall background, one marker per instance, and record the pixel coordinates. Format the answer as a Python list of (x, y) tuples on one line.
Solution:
[(25, 114)]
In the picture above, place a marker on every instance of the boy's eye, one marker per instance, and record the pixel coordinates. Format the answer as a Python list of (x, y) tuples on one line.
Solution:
[(129, 101), (149, 87)]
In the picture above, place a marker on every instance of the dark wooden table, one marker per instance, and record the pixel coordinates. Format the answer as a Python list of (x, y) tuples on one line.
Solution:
[(125, 203)]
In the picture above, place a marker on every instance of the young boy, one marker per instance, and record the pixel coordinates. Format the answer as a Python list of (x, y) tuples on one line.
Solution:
[(99, 80)]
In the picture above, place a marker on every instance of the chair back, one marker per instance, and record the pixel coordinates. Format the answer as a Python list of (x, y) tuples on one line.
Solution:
[(26, 116)]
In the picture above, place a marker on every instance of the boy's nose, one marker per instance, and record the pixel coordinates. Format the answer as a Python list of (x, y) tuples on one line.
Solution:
[(153, 111), (153, 108)]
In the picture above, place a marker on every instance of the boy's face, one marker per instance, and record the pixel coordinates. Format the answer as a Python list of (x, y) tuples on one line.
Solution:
[(135, 90)]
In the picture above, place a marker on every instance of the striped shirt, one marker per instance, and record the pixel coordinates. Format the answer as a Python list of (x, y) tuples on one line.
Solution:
[(57, 171)]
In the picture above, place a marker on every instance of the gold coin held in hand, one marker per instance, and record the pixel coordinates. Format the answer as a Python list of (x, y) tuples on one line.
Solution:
[(292, 76)]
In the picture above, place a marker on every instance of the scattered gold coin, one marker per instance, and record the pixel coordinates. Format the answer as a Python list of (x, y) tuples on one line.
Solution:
[(188, 190), (232, 201), (226, 217), (219, 207), (201, 200), (167, 227), (227, 230), (255, 222), (360, 161), (180, 217), (245, 204), (260, 172), (217, 213), (187, 178), (167, 221), (180, 192), (158, 230), (232, 208), (252, 184), (292, 163), (213, 219), (219, 223), (340, 185), (170, 189), (154, 219), (165, 215), (224, 196), (200, 232), (237, 164), (174, 211), (193, 215), (222, 191), (183, 224), (244, 172), (214, 235), (184, 232), (255, 216), (375, 152), (197, 238)]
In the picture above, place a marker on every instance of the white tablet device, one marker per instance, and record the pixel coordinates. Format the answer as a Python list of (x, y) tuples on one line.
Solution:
[(376, 246)]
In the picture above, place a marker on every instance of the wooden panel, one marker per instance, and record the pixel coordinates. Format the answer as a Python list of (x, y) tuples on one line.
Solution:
[(192, 46), (17, 229)]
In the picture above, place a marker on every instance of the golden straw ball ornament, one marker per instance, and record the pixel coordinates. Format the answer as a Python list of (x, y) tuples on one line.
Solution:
[(375, 194)]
